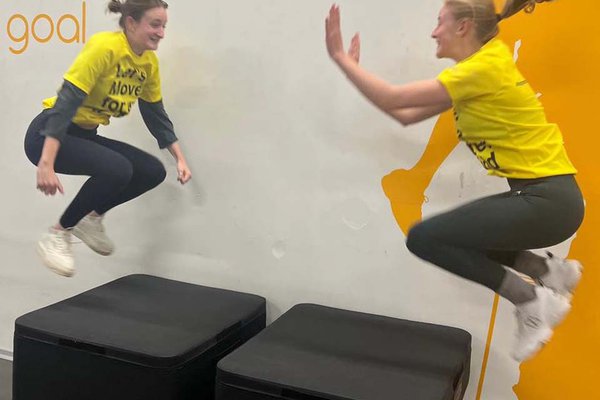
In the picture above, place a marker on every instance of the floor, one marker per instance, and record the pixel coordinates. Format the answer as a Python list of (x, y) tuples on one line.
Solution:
[(5, 380)]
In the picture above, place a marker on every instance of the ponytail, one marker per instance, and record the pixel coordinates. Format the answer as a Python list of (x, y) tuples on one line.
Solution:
[(512, 7)]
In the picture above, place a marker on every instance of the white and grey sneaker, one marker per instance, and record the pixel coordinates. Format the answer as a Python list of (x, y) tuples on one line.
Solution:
[(91, 232), (536, 320), (563, 275), (55, 250)]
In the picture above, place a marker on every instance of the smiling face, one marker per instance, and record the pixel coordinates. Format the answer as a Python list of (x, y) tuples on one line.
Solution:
[(146, 33), (446, 34)]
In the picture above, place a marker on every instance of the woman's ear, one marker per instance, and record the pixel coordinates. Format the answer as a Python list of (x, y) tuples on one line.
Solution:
[(130, 24), (463, 27)]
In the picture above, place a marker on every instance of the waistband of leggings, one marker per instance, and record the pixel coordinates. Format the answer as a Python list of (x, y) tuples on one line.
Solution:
[(515, 183)]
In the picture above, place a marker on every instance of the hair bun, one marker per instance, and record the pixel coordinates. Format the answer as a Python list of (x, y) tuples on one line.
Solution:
[(115, 6)]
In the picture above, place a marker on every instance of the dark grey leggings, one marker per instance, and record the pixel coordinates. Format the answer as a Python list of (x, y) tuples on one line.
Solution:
[(118, 171), (475, 240)]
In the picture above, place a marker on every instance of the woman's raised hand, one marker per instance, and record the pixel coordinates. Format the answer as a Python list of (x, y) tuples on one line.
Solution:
[(354, 50), (334, 41)]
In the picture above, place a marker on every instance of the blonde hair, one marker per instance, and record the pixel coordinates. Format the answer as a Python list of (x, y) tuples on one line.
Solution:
[(483, 13)]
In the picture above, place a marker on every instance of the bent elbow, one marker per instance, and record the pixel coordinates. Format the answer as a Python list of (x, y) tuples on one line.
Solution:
[(402, 119)]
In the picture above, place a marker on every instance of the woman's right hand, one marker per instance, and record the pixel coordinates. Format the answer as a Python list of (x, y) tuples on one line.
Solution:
[(47, 181), (334, 41)]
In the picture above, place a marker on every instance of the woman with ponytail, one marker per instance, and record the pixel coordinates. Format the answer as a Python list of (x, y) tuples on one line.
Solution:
[(113, 71), (501, 120)]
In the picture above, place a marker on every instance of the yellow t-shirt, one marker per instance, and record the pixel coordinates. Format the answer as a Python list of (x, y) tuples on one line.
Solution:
[(500, 118), (113, 77)]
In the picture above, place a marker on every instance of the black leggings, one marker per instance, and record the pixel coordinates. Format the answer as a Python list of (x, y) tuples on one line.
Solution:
[(118, 172), (475, 240)]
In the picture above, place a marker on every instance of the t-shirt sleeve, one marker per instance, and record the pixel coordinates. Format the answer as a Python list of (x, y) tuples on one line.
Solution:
[(68, 100), (93, 61), (151, 91), (470, 79), (158, 122)]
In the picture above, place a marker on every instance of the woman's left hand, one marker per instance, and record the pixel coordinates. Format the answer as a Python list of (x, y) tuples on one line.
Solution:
[(183, 172), (354, 50), (334, 41)]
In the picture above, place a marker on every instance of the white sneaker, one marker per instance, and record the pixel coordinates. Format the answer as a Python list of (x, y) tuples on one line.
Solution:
[(536, 319), (55, 250), (91, 232), (563, 275)]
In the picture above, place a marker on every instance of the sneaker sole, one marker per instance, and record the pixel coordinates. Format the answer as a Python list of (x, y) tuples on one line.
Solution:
[(81, 236), (578, 274), (568, 290), (53, 267), (560, 316)]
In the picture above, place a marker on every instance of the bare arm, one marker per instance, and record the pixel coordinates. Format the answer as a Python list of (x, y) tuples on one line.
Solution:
[(412, 115), (47, 181), (387, 97), (183, 172)]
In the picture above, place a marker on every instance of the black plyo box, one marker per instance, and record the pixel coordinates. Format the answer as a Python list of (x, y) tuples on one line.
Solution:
[(314, 352), (138, 337)]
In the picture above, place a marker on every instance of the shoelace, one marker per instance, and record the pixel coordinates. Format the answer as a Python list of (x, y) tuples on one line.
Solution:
[(62, 242)]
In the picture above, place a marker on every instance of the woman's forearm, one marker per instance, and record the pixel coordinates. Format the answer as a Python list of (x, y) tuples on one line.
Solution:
[(176, 152), (49, 152), (388, 97), (412, 115), (378, 91)]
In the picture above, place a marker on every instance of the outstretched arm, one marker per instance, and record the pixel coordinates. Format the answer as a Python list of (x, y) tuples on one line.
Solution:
[(426, 96), (412, 115)]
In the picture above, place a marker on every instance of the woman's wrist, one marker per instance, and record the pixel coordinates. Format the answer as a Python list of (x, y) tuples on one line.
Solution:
[(45, 164), (342, 60), (176, 152)]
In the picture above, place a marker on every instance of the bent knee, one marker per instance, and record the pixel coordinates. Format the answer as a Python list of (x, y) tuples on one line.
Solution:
[(418, 239), (154, 172), (160, 173)]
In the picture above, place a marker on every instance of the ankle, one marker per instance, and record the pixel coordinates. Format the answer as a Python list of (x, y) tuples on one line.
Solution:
[(514, 289), (531, 264)]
